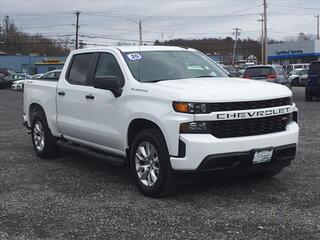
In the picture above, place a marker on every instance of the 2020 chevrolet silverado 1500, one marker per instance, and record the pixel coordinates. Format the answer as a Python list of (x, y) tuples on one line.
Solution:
[(162, 110)]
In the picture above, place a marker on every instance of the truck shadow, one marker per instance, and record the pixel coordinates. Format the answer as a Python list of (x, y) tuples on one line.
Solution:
[(96, 175)]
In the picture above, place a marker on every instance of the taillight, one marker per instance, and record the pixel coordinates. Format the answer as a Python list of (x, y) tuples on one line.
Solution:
[(271, 76), (247, 76)]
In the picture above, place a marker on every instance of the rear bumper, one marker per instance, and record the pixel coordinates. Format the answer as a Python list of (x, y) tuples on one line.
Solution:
[(201, 147)]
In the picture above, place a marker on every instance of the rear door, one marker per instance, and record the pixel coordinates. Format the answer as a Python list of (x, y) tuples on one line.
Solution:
[(73, 104), (281, 76)]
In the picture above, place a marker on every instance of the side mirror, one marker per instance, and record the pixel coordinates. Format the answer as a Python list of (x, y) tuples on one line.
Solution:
[(111, 83)]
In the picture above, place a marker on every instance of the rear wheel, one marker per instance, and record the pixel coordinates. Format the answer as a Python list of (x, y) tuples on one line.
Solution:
[(295, 82), (308, 95), (44, 143), (150, 164)]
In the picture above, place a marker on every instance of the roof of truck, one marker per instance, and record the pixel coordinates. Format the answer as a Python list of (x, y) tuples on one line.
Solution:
[(135, 48)]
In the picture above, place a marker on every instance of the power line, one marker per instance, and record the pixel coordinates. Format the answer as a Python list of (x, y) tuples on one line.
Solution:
[(292, 6), (48, 26)]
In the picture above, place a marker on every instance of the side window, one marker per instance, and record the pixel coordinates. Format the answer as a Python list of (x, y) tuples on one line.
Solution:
[(48, 76), (53, 76), (79, 68), (57, 75), (108, 67)]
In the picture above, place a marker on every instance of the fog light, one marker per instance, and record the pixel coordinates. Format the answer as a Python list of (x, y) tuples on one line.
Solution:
[(194, 127)]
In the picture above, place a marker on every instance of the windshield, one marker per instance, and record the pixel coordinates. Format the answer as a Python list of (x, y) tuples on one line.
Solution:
[(153, 66), (296, 72)]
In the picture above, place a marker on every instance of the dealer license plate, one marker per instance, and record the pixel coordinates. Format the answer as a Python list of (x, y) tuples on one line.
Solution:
[(262, 156)]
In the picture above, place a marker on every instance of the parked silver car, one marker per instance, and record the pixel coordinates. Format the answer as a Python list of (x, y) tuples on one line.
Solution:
[(270, 73)]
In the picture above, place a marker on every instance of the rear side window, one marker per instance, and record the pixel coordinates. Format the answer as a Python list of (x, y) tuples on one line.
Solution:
[(79, 69), (298, 66), (280, 70), (314, 68), (53, 76), (258, 72)]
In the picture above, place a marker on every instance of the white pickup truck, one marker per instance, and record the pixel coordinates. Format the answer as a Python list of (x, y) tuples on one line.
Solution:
[(162, 111)]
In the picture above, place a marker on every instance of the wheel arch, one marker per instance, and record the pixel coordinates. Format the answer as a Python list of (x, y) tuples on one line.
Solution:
[(34, 107), (137, 125)]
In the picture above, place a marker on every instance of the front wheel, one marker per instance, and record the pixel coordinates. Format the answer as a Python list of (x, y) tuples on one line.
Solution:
[(150, 164)]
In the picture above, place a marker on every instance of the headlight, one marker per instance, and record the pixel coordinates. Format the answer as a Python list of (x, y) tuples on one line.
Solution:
[(185, 107), (194, 127)]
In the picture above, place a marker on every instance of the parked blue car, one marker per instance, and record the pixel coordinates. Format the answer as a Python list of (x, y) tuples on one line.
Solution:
[(313, 82)]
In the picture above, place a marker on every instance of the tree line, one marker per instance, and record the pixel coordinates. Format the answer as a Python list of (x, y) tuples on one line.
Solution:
[(13, 41)]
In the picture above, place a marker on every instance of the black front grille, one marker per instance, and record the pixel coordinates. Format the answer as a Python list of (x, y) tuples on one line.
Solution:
[(249, 127), (230, 106)]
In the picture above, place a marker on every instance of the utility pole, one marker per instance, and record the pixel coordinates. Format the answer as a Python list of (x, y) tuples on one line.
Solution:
[(140, 32), (318, 16), (77, 29), (265, 37), (237, 34), (161, 38), (262, 38)]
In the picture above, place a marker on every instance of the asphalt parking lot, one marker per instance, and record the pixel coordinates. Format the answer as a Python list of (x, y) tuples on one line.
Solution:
[(75, 197)]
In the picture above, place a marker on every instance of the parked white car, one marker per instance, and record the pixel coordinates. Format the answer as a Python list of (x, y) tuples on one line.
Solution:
[(18, 85), (162, 111)]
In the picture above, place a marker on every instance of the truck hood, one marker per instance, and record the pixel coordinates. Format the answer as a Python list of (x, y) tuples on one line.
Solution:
[(220, 89)]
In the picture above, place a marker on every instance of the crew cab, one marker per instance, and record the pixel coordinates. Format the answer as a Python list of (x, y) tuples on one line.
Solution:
[(162, 111)]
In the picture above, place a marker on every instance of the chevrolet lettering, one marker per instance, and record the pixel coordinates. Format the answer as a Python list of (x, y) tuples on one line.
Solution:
[(254, 114)]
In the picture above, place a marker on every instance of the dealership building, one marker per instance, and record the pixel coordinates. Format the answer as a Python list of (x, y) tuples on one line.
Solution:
[(32, 64), (294, 52)]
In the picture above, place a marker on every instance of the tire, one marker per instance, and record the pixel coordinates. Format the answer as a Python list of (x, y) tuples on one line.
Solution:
[(44, 143), (159, 179), (265, 174), (295, 82), (308, 96)]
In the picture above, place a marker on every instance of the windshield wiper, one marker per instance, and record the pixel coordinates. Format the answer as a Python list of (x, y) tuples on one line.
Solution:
[(158, 80), (204, 76)]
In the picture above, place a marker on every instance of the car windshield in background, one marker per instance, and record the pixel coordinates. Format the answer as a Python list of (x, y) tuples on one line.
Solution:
[(259, 72), (296, 72), (314, 68), (153, 66)]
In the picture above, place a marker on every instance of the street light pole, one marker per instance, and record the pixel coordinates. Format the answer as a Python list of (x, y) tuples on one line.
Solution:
[(262, 38), (140, 27), (236, 33), (265, 32)]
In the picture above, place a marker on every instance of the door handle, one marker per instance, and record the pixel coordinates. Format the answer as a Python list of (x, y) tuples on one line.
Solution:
[(89, 96), (61, 93)]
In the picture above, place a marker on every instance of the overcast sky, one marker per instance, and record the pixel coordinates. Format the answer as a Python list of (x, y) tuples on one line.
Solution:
[(114, 20)]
